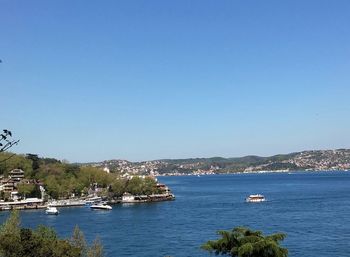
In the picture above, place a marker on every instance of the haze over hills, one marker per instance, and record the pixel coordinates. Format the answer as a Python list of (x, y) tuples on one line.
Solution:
[(315, 160)]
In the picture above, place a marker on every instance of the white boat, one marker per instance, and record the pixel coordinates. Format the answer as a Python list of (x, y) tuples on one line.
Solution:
[(101, 206), (51, 210), (255, 198), (92, 200)]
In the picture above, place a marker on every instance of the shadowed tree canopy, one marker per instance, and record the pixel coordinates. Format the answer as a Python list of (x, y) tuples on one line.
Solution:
[(35, 161), (243, 242)]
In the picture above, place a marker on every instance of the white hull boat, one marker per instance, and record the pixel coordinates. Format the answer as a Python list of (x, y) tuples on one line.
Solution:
[(101, 207), (255, 199), (51, 211)]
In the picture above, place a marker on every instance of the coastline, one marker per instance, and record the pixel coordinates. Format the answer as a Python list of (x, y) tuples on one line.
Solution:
[(79, 202), (250, 172)]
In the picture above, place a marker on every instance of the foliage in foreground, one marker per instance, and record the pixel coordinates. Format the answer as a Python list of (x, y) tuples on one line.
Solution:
[(243, 242), (16, 241)]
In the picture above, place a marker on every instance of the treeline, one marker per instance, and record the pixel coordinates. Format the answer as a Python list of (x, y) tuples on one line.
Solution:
[(63, 180), (16, 241)]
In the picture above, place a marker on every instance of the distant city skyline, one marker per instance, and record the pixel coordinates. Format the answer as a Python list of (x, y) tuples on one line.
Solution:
[(145, 80)]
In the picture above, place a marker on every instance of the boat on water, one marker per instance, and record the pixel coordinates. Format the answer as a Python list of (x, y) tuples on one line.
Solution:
[(66, 203), (92, 200), (101, 206), (255, 198), (51, 210)]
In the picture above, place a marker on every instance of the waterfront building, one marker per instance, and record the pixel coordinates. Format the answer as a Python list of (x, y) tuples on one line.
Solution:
[(128, 198)]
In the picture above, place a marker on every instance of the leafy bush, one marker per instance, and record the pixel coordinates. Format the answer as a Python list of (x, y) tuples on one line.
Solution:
[(243, 242)]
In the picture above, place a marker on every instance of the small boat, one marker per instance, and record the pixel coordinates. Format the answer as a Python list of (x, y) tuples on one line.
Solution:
[(255, 198), (101, 206), (51, 210)]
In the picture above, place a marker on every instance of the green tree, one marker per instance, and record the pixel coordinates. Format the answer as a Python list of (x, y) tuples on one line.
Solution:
[(26, 189), (118, 187), (10, 236), (243, 242), (10, 161), (43, 242), (35, 162), (134, 185), (52, 186), (149, 186)]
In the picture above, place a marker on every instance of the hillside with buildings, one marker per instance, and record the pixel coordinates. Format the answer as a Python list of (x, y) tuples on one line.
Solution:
[(28, 181), (315, 160)]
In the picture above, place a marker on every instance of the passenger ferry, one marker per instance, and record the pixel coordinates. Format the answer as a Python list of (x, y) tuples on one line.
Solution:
[(255, 198)]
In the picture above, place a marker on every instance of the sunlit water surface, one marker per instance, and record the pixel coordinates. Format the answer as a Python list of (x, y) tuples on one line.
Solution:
[(313, 209)]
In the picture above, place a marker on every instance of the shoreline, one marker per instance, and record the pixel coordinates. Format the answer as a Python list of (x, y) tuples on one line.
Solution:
[(248, 172), (137, 199)]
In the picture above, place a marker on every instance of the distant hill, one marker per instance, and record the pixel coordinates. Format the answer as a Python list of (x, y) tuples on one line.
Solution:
[(338, 159)]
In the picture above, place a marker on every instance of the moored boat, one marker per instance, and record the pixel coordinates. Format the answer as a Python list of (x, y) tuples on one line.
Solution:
[(255, 198), (51, 210), (101, 206)]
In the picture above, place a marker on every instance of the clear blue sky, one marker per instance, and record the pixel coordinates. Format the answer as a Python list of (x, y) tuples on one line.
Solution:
[(141, 80)]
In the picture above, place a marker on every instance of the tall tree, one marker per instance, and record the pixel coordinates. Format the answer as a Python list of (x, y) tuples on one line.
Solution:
[(26, 189), (35, 161), (118, 186)]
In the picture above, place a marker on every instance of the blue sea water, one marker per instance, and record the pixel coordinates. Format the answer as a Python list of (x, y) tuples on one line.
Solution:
[(313, 209)]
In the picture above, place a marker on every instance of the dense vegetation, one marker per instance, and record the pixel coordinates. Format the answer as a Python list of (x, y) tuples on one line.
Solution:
[(16, 241), (62, 180), (243, 242)]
